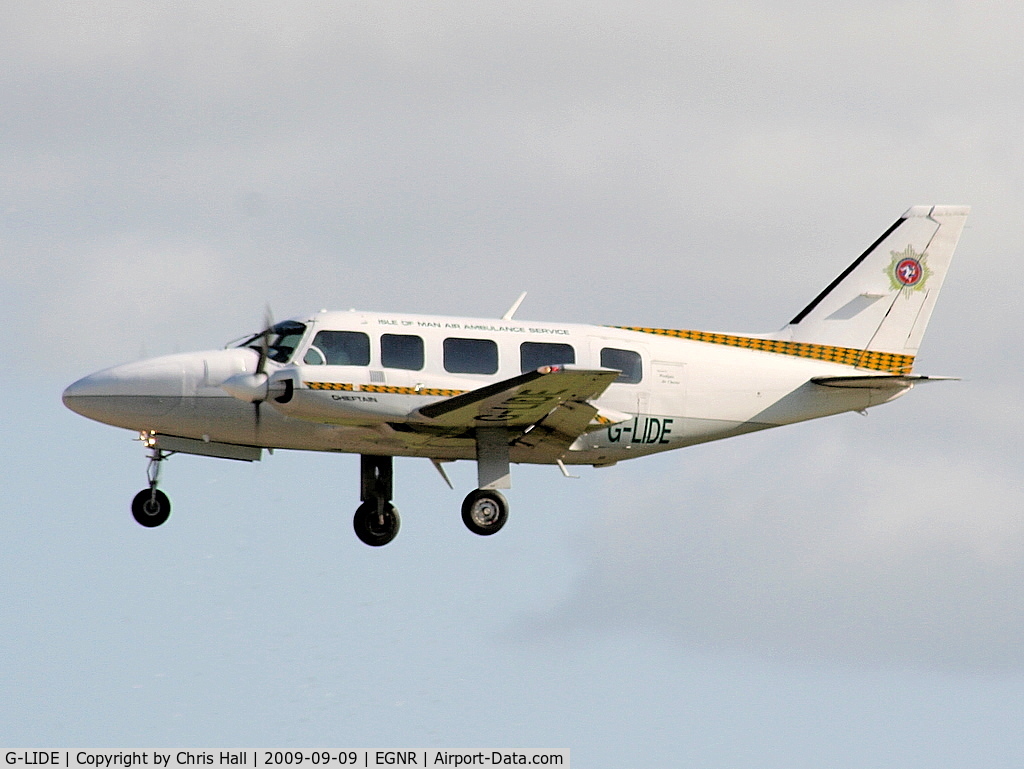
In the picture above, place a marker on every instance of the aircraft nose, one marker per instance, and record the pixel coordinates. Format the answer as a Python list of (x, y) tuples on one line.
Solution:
[(120, 395), (77, 394)]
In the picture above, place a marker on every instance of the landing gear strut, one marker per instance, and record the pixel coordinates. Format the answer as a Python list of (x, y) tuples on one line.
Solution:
[(484, 511), (151, 507), (376, 520)]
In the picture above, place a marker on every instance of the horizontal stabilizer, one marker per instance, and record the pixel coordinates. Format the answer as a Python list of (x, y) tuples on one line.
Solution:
[(879, 381)]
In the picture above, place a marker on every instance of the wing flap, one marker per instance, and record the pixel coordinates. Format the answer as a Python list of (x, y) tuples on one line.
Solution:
[(551, 437)]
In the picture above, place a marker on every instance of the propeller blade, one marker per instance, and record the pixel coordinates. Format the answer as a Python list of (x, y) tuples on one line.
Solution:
[(268, 325)]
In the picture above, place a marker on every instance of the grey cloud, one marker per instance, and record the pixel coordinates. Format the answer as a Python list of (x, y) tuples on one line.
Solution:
[(662, 164), (836, 543)]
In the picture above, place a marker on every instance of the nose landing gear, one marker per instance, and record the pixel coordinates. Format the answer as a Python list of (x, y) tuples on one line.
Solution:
[(151, 507)]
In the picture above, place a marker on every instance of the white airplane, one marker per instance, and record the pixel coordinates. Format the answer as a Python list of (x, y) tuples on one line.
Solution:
[(506, 391)]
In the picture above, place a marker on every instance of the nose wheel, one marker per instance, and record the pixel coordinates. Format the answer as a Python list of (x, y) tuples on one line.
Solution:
[(151, 507)]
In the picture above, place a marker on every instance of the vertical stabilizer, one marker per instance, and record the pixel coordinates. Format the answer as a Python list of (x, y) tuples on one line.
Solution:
[(883, 301)]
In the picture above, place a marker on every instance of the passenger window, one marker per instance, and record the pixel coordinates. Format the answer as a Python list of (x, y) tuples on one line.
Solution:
[(339, 348), (533, 355), (470, 356), (626, 361), (401, 351)]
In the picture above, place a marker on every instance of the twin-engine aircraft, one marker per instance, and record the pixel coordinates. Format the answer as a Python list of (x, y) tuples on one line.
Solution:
[(506, 391)]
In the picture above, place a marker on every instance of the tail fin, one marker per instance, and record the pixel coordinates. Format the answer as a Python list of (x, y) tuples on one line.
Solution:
[(883, 301)]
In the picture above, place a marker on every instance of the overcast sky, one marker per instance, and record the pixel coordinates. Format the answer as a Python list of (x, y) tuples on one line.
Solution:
[(846, 593)]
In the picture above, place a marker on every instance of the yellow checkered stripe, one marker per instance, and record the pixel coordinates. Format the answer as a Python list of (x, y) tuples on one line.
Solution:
[(330, 386), (848, 356), (389, 389), (409, 390)]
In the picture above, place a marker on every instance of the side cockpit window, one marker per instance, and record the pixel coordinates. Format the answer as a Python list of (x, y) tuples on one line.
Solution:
[(338, 348), (626, 361), (280, 339)]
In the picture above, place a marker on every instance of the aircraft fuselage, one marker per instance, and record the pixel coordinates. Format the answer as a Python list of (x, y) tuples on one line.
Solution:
[(682, 392), (506, 391)]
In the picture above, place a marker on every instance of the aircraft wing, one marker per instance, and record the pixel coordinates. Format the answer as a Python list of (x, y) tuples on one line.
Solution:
[(552, 395)]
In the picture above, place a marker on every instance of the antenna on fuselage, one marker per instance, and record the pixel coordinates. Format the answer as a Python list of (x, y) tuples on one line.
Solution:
[(515, 306)]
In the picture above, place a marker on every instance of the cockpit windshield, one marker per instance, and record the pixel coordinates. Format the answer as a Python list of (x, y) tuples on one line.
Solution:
[(282, 339)]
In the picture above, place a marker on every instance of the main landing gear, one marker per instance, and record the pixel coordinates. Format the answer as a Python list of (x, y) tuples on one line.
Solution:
[(151, 507), (484, 511)]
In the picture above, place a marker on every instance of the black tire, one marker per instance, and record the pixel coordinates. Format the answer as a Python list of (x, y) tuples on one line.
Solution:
[(484, 511), (151, 508), (369, 527)]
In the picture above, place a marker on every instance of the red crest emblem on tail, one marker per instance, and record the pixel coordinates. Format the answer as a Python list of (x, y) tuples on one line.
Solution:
[(908, 269), (908, 272)]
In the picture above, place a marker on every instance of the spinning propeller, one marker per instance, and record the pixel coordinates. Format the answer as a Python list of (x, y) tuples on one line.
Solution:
[(255, 388)]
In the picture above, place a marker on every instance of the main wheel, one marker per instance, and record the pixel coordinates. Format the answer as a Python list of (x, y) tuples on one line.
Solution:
[(484, 511), (151, 507), (376, 529)]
